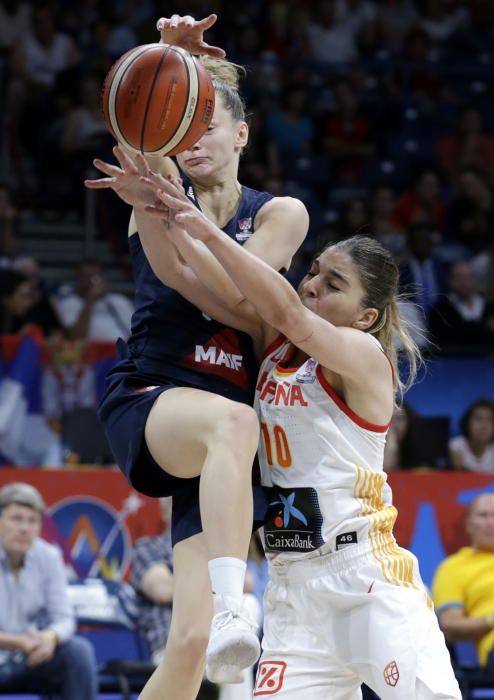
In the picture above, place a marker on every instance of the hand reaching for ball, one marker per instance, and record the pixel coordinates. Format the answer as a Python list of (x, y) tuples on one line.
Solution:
[(126, 179), (176, 207), (187, 33)]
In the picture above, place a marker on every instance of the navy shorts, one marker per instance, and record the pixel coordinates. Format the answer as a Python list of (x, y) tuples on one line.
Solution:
[(123, 411)]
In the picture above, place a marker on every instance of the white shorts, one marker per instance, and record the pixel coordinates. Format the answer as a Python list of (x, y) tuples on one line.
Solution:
[(337, 621)]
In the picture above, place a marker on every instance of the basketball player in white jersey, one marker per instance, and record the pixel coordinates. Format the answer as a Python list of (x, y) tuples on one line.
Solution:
[(345, 605)]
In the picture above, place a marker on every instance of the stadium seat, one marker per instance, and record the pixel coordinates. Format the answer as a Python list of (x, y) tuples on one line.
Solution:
[(475, 683)]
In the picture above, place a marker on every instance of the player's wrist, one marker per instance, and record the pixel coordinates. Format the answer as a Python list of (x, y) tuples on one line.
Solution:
[(489, 620)]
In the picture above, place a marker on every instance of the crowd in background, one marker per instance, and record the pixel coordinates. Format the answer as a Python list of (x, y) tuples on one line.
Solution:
[(378, 114)]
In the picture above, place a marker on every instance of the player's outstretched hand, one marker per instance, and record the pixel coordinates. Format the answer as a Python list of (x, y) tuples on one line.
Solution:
[(187, 33), (180, 209), (124, 180)]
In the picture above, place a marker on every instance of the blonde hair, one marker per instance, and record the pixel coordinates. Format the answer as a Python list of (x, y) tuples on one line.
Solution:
[(226, 79), (379, 277)]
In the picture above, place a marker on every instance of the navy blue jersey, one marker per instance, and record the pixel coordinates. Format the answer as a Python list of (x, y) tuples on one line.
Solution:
[(172, 339)]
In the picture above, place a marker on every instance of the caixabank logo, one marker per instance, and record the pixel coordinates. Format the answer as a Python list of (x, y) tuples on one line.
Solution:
[(293, 521), (92, 535)]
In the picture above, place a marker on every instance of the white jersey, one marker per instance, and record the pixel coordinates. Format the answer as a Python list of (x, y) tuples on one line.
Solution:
[(324, 465)]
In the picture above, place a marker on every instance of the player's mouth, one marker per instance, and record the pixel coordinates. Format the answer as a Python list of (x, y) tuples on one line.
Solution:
[(195, 161)]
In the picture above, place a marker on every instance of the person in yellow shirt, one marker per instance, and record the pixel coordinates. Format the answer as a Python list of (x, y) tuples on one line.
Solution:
[(463, 586)]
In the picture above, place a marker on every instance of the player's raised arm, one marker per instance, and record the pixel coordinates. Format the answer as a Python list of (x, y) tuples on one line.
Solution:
[(345, 350)]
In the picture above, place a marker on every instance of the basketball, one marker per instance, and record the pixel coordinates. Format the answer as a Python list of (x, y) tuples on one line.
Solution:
[(158, 99)]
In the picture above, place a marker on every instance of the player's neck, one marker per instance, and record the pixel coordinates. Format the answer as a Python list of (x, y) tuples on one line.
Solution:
[(220, 201)]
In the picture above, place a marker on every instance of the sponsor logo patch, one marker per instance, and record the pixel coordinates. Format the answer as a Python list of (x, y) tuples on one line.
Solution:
[(269, 679), (391, 674), (307, 374), (293, 521), (244, 229), (216, 356)]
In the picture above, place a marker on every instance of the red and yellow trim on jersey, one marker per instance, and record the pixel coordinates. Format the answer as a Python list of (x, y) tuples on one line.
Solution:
[(396, 564)]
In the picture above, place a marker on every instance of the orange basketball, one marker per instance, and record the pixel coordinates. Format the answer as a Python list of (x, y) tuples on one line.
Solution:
[(158, 99)]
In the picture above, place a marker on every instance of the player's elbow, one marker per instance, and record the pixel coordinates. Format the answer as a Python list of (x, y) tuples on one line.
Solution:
[(287, 320)]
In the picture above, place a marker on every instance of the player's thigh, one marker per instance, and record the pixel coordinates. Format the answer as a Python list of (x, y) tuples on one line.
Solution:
[(397, 640), (293, 675), (184, 423), (192, 597)]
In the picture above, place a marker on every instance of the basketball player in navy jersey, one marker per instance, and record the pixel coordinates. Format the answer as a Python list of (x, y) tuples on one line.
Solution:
[(345, 604), (176, 408)]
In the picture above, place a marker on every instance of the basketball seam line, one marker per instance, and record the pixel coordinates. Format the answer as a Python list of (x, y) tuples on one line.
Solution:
[(150, 94)]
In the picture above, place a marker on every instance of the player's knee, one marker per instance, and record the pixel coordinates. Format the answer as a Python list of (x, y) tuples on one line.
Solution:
[(238, 427), (190, 645)]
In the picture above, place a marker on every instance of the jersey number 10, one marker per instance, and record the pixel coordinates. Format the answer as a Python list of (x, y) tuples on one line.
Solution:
[(275, 435)]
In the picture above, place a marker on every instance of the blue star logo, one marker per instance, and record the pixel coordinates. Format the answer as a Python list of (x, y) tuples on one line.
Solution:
[(289, 509)]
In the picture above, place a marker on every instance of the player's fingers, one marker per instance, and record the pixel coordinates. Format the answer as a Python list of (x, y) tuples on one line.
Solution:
[(170, 201), (162, 23), (99, 184), (207, 22), (188, 20), (174, 21), (213, 51), (174, 188), (107, 168), (126, 163), (178, 183), (158, 212), (184, 218), (142, 165)]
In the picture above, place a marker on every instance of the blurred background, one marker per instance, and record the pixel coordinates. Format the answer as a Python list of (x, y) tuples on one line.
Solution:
[(377, 114)]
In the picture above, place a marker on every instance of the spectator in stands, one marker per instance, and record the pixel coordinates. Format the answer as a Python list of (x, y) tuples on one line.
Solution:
[(38, 648), (483, 270), (8, 221), (473, 450), (458, 318), (14, 22), (423, 84), (329, 39), (394, 20), (399, 448), (84, 133), (383, 225), (43, 312), (290, 130), (347, 138), (91, 312), (16, 300), (353, 219), (423, 205), (152, 579), (442, 20), (467, 146), (471, 215), (463, 586), (420, 273), (41, 55)]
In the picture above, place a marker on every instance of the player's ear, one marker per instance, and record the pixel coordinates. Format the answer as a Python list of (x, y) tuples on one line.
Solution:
[(366, 319), (242, 135)]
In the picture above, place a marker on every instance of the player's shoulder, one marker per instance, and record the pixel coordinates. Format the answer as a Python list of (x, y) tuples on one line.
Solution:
[(286, 202), (287, 209)]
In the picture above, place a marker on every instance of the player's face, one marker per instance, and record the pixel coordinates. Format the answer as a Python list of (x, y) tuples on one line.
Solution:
[(480, 523), (218, 150), (332, 288)]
